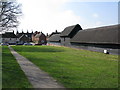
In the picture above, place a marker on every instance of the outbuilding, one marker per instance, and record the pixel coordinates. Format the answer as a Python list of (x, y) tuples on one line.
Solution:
[(54, 40), (68, 33)]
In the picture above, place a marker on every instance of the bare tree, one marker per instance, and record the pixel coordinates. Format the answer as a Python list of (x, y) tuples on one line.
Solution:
[(9, 13)]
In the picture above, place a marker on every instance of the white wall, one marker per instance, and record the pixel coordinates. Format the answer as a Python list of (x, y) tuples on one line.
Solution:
[(9, 40)]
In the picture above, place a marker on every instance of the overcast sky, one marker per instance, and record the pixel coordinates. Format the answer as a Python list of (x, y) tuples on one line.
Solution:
[(50, 15)]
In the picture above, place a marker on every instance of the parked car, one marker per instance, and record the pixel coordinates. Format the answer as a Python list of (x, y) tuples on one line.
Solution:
[(19, 44), (4, 44), (27, 44)]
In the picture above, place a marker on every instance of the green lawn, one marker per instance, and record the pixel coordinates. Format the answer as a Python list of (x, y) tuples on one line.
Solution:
[(12, 75), (74, 68)]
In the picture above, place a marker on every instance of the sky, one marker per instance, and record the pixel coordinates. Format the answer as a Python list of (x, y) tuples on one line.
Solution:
[(51, 15)]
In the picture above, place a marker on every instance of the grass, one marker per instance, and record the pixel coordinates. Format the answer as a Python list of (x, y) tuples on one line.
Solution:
[(74, 68), (12, 75)]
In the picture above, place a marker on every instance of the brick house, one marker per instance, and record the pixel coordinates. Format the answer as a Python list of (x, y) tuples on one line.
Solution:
[(39, 38)]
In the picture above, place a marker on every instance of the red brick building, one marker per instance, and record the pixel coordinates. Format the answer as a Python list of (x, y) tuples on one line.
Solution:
[(39, 38)]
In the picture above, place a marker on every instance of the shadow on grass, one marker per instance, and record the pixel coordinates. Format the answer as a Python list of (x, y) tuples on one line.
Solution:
[(38, 49)]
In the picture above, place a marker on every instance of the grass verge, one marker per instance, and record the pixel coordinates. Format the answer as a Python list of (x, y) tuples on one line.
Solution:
[(74, 68), (12, 75)]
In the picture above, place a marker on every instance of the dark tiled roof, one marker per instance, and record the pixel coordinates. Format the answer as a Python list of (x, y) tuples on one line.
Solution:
[(54, 38), (24, 38), (70, 31), (53, 33), (9, 35), (103, 35), (20, 34), (29, 34), (0, 35), (38, 35)]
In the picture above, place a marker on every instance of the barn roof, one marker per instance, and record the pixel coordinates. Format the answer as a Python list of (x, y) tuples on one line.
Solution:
[(106, 35), (70, 31), (54, 38), (53, 33)]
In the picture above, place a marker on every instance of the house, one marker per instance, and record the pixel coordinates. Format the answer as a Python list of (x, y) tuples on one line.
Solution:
[(68, 33), (27, 36), (98, 39), (23, 39), (9, 38), (39, 38)]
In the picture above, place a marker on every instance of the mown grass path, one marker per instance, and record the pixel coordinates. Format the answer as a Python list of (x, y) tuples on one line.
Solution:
[(37, 77), (74, 68)]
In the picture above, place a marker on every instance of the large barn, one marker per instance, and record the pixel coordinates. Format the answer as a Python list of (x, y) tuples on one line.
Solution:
[(98, 39), (68, 33), (94, 39)]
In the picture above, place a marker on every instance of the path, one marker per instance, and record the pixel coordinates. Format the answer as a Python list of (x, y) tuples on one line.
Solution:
[(37, 77)]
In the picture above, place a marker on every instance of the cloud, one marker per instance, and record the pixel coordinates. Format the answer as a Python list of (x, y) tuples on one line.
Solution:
[(95, 15), (47, 15)]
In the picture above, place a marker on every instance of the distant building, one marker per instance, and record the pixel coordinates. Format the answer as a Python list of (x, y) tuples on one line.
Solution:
[(9, 38), (24, 37), (39, 38), (54, 40), (56, 32)]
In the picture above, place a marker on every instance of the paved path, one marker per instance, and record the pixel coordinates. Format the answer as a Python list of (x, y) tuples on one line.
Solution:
[(37, 77)]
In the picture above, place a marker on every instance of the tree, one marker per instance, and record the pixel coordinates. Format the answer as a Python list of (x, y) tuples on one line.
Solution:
[(9, 13)]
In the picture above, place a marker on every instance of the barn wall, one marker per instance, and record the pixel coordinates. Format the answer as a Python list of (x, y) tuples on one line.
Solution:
[(9, 40), (54, 43), (65, 41), (62, 41), (113, 49)]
